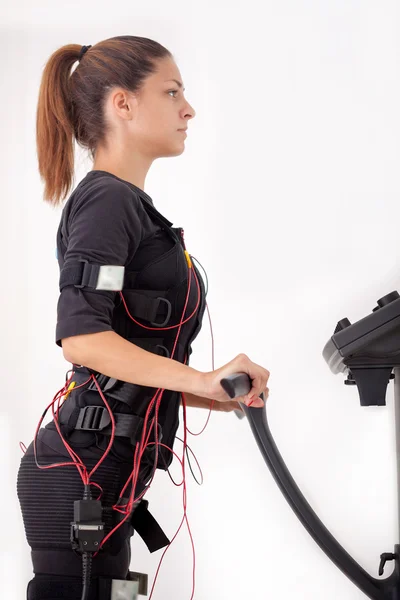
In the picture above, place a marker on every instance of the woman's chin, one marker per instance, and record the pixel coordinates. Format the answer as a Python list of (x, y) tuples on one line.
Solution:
[(176, 150)]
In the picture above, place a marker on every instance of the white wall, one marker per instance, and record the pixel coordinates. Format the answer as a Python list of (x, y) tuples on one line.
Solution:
[(288, 191)]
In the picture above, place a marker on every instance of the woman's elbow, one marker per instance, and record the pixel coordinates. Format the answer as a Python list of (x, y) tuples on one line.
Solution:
[(70, 347), (77, 349)]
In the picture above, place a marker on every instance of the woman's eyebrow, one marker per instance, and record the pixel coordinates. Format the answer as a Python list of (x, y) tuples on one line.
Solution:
[(179, 83)]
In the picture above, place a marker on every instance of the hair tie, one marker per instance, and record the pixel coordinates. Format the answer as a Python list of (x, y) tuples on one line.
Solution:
[(82, 52)]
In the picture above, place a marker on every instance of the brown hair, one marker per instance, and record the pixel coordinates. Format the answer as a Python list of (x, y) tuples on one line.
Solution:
[(71, 105)]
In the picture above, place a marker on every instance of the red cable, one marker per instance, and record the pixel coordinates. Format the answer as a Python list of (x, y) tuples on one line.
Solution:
[(72, 453)]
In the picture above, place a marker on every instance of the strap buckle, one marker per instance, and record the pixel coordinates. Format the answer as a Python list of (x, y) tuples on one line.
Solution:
[(84, 273), (169, 309), (93, 418), (101, 277)]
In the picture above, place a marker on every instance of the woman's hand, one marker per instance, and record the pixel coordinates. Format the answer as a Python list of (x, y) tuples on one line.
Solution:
[(234, 404), (210, 382)]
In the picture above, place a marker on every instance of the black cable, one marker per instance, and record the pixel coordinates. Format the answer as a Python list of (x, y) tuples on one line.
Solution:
[(86, 557), (204, 271), (86, 573), (187, 456)]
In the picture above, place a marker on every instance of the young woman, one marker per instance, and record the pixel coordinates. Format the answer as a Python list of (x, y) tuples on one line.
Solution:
[(131, 303)]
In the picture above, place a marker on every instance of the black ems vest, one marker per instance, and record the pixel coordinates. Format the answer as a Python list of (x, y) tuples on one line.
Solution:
[(155, 296)]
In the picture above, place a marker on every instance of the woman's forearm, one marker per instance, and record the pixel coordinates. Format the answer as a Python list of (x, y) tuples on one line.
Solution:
[(200, 401), (110, 354)]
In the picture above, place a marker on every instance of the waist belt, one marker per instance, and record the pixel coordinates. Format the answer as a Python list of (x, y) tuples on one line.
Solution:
[(95, 418)]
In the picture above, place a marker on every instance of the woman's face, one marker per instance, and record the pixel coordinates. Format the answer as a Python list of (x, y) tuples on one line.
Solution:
[(149, 121)]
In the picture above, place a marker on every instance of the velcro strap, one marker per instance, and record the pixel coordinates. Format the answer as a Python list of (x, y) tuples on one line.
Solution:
[(148, 528), (97, 418), (79, 273), (116, 389), (84, 274)]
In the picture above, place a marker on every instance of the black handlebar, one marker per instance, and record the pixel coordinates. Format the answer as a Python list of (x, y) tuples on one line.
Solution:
[(236, 385)]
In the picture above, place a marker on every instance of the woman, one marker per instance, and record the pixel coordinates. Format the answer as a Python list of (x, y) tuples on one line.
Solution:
[(131, 303)]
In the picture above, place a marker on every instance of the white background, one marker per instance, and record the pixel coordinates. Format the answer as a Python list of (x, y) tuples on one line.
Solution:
[(288, 191)]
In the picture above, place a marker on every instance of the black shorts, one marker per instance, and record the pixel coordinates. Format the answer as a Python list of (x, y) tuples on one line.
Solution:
[(46, 498)]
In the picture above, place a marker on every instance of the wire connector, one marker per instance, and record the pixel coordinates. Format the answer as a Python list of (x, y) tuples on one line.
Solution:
[(87, 529), (188, 259)]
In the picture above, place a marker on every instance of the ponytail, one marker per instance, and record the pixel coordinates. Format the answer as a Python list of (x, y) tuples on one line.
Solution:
[(54, 125)]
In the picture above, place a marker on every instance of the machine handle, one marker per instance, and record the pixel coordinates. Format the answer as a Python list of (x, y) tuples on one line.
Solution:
[(237, 384)]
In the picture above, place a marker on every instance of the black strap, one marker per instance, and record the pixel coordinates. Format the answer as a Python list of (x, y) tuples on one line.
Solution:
[(97, 418), (82, 273), (148, 528), (116, 389), (79, 273)]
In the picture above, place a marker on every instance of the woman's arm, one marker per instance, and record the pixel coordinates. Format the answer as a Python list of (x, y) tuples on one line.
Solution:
[(110, 354), (201, 402)]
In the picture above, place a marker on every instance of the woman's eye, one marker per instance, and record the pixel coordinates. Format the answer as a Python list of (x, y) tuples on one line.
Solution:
[(173, 92)]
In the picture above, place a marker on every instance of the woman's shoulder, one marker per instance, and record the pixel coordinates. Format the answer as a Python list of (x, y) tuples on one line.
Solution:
[(103, 197), (103, 189)]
